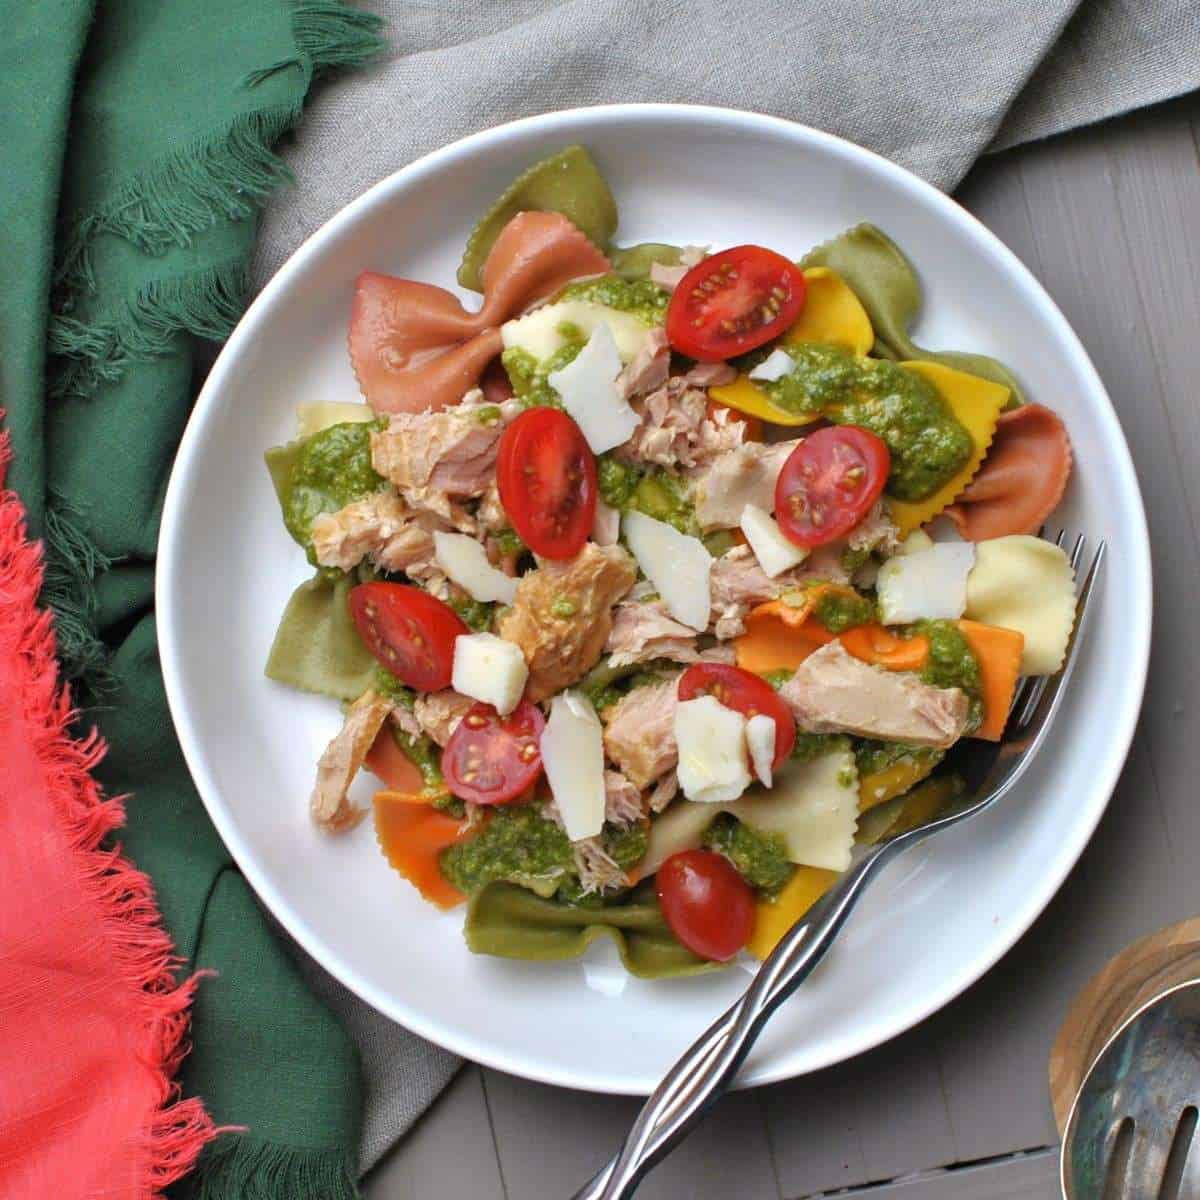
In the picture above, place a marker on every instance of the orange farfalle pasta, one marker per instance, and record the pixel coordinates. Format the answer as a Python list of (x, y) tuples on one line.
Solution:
[(1021, 480), (414, 347)]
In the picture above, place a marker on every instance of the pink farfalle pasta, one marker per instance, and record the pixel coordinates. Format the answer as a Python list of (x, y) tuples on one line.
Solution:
[(1022, 479), (414, 347)]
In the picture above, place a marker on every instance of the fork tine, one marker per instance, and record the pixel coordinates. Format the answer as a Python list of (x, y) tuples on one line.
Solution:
[(1189, 1181), (1042, 682), (1036, 713), (1145, 1165)]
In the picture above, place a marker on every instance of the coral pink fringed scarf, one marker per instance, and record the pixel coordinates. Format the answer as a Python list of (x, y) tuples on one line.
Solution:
[(92, 1020)]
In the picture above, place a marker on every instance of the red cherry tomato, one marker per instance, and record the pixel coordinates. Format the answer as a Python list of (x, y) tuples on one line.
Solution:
[(708, 905), (828, 482), (411, 632), (491, 759), (734, 301), (495, 383), (748, 694), (547, 479)]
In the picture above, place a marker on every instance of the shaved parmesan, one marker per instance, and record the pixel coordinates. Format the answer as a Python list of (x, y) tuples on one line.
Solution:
[(588, 387), (489, 669), (573, 757), (926, 584), (713, 768), (312, 418), (677, 565), (774, 552), (466, 562), (540, 332), (813, 807), (760, 740), (1024, 583), (775, 366)]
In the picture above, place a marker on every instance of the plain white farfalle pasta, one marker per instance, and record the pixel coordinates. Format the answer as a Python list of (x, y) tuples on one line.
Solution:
[(813, 807), (1024, 583)]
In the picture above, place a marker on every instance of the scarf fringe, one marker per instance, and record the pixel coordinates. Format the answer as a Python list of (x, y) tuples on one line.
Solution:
[(140, 947), (246, 1169)]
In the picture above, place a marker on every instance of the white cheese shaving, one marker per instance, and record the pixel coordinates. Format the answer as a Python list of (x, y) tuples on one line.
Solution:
[(588, 387), (572, 748), (489, 669), (775, 366), (677, 565), (774, 552), (713, 767), (925, 585), (760, 740), (539, 332), (466, 562)]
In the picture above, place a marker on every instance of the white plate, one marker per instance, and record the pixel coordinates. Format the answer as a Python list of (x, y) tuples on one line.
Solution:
[(938, 919)]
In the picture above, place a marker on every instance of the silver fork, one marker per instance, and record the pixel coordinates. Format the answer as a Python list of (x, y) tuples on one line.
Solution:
[(707, 1068)]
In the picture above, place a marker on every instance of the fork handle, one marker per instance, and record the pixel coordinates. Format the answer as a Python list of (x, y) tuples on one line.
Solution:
[(708, 1066)]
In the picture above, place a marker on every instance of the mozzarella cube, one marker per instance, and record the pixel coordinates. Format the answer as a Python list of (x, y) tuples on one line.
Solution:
[(677, 565), (760, 740), (926, 584), (774, 552), (489, 669), (775, 366), (572, 748), (588, 387), (465, 561), (713, 765)]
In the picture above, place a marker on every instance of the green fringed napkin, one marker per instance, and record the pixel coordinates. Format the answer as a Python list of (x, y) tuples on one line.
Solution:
[(148, 129)]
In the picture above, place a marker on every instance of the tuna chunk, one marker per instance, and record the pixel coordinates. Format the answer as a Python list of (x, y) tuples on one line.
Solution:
[(676, 429), (714, 374), (741, 476), (330, 804), (382, 528), (639, 734), (562, 615), (649, 368), (738, 583), (833, 692), (876, 531), (438, 713), (622, 800), (437, 458), (643, 630), (598, 872)]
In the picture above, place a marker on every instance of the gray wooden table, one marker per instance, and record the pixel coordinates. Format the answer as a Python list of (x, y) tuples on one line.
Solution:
[(957, 1109)]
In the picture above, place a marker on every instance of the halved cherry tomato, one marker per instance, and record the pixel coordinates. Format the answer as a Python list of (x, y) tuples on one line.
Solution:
[(748, 694), (708, 905), (411, 632), (734, 301), (828, 482), (491, 759), (496, 385), (547, 479)]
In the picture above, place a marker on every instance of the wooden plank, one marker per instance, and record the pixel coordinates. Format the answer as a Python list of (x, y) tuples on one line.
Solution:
[(551, 1141), (450, 1151), (1029, 1177)]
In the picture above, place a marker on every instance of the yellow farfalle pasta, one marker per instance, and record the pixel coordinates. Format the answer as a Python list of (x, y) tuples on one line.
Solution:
[(1024, 583)]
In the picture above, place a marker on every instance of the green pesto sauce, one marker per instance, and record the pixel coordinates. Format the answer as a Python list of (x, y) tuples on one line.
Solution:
[(509, 541), (872, 756), (563, 607), (952, 664), (477, 614), (386, 684), (333, 469), (760, 858), (625, 846), (530, 377), (719, 542), (778, 677), (814, 745), (517, 845), (425, 754), (645, 300), (489, 414), (839, 611), (927, 442), (617, 480), (854, 557)]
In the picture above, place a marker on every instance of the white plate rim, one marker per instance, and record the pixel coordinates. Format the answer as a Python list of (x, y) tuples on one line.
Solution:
[(168, 573)]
